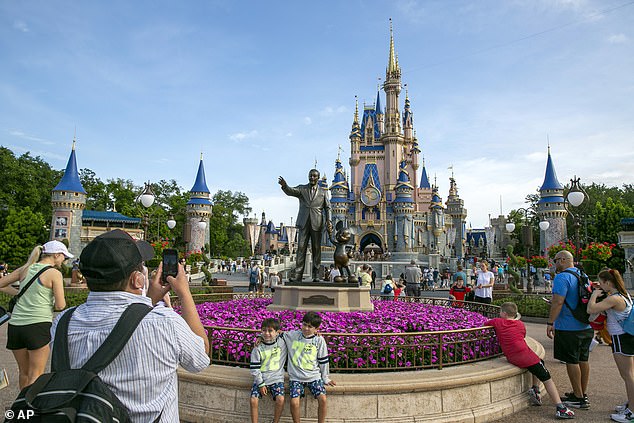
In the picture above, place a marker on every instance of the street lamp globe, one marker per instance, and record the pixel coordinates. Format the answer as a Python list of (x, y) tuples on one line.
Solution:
[(544, 225), (510, 227), (202, 224), (171, 223), (575, 198), (147, 196)]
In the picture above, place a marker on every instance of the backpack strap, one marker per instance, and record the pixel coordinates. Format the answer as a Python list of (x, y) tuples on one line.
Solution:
[(33, 279), (578, 276), (109, 349), (118, 338), (60, 360)]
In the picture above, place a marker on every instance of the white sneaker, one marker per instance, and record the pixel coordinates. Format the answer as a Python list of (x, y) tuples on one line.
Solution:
[(620, 409), (626, 417)]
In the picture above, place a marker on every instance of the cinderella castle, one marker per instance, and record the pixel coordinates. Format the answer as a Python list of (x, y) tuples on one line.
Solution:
[(387, 198)]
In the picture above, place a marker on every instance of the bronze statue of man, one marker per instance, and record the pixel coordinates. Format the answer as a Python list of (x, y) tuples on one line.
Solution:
[(313, 202)]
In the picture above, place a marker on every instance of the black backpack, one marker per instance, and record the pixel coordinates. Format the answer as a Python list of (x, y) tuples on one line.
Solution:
[(78, 395), (584, 291)]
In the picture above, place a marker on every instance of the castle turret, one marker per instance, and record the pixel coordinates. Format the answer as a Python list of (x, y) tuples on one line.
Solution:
[(339, 191), (403, 207), (392, 138), (458, 214), (355, 137), (68, 202), (380, 115), (437, 222), (551, 208), (198, 211)]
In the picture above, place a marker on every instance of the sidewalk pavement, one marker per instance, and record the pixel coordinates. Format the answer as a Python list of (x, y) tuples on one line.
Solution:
[(606, 388)]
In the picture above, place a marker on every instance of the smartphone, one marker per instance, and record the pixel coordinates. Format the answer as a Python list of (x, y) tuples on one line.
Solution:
[(170, 264)]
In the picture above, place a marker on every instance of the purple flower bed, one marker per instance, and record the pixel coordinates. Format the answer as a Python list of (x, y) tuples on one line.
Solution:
[(350, 346)]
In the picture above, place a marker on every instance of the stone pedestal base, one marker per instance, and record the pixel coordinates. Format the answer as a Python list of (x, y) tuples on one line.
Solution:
[(321, 297)]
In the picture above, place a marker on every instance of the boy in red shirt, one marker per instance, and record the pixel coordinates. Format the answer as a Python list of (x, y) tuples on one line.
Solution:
[(510, 332), (458, 291)]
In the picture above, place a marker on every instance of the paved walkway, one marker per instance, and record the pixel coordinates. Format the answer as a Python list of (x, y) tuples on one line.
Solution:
[(605, 391)]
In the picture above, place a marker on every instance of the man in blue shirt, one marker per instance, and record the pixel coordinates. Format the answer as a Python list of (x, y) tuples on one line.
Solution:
[(572, 337)]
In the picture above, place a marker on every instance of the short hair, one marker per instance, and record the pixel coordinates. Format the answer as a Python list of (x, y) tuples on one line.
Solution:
[(510, 309), (459, 278), (312, 318), (365, 267), (412, 261), (459, 268), (271, 323)]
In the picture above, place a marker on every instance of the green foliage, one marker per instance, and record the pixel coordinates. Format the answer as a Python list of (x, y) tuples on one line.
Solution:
[(225, 232), (527, 305), (591, 267), (23, 230), (26, 181), (607, 218), (539, 261), (554, 249)]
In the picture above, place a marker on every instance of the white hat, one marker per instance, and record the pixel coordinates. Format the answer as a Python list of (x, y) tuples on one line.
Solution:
[(56, 247)]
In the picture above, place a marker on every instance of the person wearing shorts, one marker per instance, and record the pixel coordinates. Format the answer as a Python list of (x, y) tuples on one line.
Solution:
[(572, 338), (511, 332), (28, 331), (617, 306), (308, 365), (267, 367)]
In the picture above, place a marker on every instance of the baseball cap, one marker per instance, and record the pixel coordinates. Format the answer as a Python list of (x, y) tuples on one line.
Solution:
[(112, 256), (56, 247)]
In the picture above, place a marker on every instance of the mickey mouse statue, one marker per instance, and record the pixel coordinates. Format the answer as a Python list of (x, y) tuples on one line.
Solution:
[(342, 257)]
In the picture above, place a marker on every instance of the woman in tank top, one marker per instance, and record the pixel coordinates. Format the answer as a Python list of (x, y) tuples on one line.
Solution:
[(617, 306), (28, 332)]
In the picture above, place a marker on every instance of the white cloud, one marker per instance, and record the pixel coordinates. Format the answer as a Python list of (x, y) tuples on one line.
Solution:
[(20, 134), (308, 120), (329, 110), (289, 134), (21, 26), (241, 136), (38, 153), (618, 39)]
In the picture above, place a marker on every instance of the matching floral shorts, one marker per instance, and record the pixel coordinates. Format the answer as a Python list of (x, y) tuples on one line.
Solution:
[(274, 389), (297, 388)]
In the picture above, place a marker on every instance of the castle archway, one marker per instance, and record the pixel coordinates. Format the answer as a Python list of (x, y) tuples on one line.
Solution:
[(371, 241)]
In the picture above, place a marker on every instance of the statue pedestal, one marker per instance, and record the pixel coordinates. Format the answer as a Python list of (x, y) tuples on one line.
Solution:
[(315, 296)]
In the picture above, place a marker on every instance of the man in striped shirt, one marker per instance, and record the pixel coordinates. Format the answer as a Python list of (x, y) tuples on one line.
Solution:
[(143, 376)]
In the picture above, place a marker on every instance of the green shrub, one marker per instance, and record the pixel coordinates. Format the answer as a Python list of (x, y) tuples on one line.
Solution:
[(527, 305)]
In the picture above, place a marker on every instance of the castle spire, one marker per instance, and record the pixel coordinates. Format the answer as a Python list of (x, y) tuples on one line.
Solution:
[(200, 185), (550, 178), (424, 180), (70, 181), (392, 64)]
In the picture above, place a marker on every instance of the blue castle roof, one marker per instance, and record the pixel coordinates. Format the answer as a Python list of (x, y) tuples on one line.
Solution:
[(201, 183), (377, 109), (70, 181), (108, 216), (550, 179), (424, 180), (370, 113), (372, 172)]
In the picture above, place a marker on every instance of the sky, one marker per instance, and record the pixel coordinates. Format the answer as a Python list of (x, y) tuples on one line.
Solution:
[(264, 89)]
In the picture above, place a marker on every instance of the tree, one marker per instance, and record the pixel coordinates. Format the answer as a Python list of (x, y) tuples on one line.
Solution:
[(24, 229), (26, 182), (225, 231), (607, 219)]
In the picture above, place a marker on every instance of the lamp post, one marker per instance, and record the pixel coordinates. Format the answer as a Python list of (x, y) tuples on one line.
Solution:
[(576, 196), (527, 239), (147, 199)]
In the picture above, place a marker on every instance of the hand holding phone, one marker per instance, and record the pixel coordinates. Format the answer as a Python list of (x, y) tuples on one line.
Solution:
[(170, 264)]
